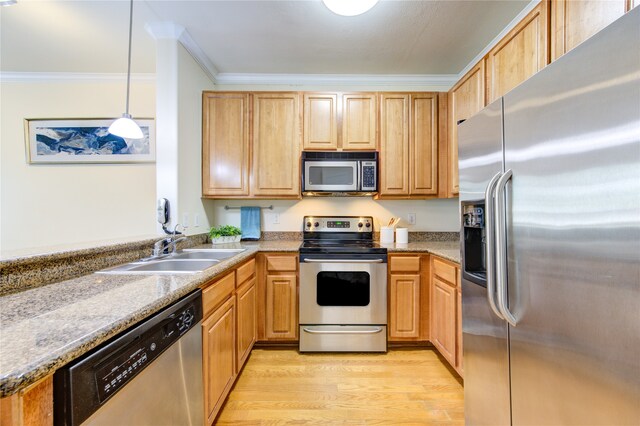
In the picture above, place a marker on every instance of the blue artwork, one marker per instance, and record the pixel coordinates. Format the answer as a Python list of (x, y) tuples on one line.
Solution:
[(70, 141)]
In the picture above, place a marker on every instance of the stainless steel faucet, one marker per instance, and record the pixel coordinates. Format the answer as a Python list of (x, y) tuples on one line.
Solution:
[(161, 247)]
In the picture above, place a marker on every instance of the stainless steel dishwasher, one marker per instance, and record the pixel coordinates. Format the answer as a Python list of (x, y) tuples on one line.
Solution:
[(151, 374)]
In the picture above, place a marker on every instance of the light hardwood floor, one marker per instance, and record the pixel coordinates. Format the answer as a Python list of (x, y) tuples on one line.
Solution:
[(401, 387)]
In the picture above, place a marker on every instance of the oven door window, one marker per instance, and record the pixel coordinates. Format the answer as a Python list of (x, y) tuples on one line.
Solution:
[(343, 288)]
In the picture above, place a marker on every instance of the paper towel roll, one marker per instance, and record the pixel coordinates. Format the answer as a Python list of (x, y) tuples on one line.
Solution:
[(386, 235), (402, 235)]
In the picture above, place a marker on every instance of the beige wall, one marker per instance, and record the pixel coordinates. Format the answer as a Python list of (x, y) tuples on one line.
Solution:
[(51, 205)]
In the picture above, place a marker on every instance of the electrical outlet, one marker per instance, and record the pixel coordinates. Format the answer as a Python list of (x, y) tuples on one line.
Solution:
[(411, 218), (276, 218), (185, 219), (196, 220)]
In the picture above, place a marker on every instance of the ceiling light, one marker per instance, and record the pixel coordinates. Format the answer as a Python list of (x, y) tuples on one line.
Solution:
[(124, 126), (8, 2), (349, 7)]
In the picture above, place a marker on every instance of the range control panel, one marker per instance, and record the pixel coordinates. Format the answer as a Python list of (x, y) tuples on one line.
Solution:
[(118, 369), (338, 224)]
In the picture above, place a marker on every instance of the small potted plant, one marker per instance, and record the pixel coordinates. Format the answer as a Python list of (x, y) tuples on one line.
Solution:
[(225, 234)]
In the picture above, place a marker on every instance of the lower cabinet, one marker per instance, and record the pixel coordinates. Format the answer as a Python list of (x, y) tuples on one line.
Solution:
[(408, 296), (443, 326), (278, 297), (228, 332), (219, 361)]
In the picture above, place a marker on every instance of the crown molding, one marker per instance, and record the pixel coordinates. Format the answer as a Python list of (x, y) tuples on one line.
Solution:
[(17, 77), (443, 81), (170, 30), (528, 8)]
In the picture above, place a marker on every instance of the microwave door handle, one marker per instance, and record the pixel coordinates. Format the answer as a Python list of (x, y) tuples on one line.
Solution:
[(489, 247), (358, 175)]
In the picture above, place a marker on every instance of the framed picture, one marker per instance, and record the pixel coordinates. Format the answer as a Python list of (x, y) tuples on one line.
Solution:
[(86, 140)]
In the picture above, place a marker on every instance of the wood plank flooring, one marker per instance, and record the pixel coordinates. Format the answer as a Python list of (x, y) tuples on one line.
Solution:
[(401, 387)]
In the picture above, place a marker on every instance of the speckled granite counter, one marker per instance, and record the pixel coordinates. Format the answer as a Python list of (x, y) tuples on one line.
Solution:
[(43, 328)]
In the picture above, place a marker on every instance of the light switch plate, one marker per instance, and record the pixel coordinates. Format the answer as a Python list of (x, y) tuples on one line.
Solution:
[(411, 218)]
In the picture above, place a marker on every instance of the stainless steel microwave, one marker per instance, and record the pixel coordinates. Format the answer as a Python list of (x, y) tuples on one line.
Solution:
[(339, 173)]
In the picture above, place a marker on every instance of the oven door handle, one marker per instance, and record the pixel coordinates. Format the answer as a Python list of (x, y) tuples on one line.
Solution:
[(372, 331), (342, 260)]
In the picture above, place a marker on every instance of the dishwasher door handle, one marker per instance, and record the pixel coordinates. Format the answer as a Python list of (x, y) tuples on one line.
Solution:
[(370, 331), (342, 260)]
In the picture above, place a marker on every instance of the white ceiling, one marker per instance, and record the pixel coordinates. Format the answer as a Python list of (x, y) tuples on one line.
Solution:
[(292, 37)]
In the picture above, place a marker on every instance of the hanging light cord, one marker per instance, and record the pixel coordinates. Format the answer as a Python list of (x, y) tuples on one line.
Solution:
[(129, 60)]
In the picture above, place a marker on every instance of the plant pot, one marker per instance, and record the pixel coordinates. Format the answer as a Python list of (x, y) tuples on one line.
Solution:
[(225, 240)]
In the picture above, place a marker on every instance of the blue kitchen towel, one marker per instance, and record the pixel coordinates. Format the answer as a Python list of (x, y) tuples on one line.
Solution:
[(250, 223)]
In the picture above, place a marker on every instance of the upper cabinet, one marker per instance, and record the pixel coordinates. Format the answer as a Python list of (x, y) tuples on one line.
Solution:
[(359, 112), (276, 144), (520, 54), (572, 22), (225, 144), (408, 145), (466, 98), (320, 121)]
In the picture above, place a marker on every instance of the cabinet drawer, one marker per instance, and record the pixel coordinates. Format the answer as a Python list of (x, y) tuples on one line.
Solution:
[(282, 263), (245, 271), (444, 271), (216, 293), (404, 264)]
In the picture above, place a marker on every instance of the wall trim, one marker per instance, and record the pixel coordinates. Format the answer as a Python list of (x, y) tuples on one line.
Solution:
[(445, 81), (499, 37), (23, 77)]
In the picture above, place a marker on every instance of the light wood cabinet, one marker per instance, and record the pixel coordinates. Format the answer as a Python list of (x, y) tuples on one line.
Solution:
[(219, 360), (520, 54), (459, 358), (276, 145), (359, 121), (31, 406), (246, 302), (408, 145), (320, 125), (443, 321), (225, 144), (277, 297), (408, 295), (572, 22), (466, 98)]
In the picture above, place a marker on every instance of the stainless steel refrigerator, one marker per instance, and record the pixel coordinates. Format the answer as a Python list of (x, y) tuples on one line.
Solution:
[(550, 207)]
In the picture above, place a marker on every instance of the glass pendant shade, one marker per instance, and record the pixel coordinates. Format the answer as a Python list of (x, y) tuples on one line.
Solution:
[(349, 7), (125, 127)]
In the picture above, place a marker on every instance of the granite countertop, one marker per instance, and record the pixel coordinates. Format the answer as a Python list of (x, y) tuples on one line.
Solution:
[(43, 328)]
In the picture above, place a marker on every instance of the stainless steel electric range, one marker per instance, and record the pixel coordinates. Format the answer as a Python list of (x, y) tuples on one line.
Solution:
[(343, 286)]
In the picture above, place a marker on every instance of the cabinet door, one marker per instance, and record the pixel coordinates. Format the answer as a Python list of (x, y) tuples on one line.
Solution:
[(359, 112), (276, 145), (281, 307), (466, 98), (404, 306), (246, 302), (394, 144), (572, 22), (443, 319), (519, 55), (320, 128), (219, 360), (459, 358), (423, 145), (225, 144)]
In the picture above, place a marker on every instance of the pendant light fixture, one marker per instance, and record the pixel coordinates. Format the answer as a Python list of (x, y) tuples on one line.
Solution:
[(124, 126), (349, 7)]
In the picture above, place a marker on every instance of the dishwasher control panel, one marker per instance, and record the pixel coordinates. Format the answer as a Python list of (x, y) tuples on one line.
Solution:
[(117, 370), (84, 385)]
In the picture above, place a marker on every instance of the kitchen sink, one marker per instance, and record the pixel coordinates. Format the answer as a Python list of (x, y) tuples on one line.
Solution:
[(188, 261), (162, 266)]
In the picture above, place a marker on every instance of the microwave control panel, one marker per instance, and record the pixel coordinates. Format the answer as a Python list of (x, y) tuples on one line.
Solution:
[(368, 176)]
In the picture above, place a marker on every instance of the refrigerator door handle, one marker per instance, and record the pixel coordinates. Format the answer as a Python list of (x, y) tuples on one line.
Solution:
[(489, 246), (501, 247)]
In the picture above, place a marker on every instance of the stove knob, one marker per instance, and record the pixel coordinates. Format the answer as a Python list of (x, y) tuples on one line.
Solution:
[(360, 225), (316, 224), (368, 225), (309, 224)]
